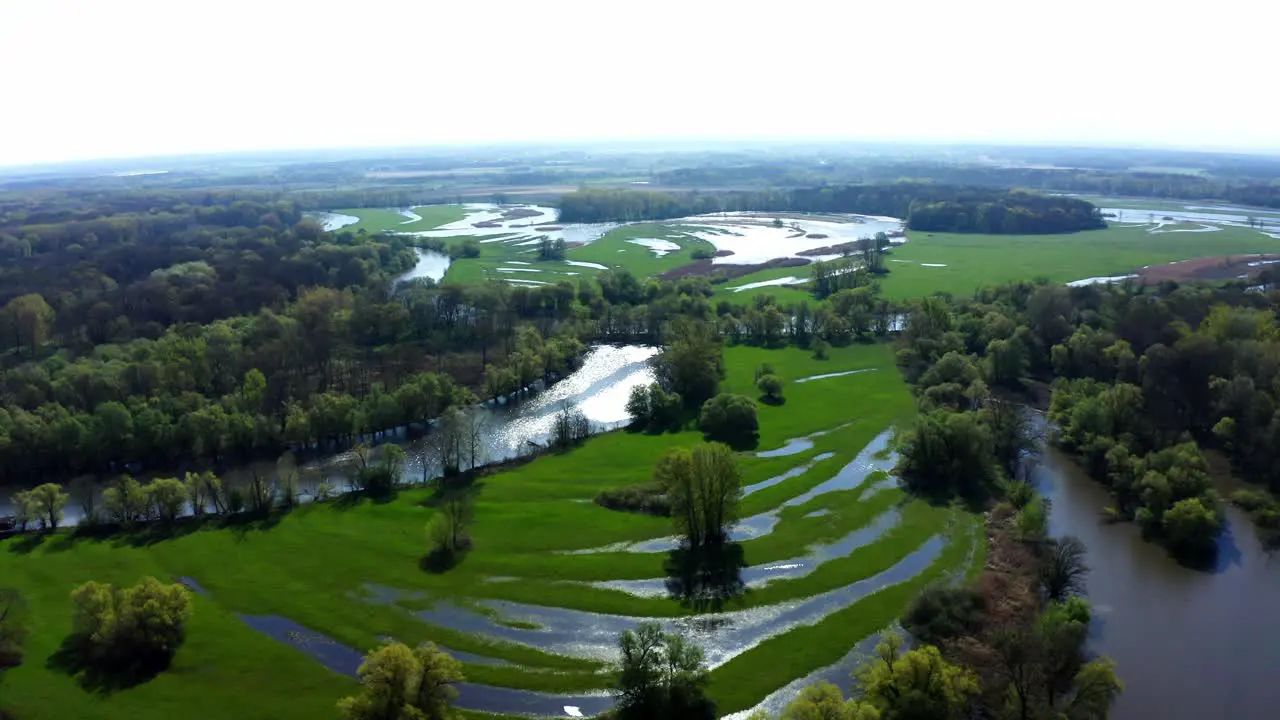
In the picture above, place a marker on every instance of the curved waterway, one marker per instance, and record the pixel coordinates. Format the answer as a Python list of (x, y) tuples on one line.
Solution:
[(599, 388), (431, 264), (1189, 643)]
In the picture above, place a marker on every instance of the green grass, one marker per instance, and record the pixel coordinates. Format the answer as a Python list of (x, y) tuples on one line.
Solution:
[(616, 251), (316, 564), (974, 261), (373, 220)]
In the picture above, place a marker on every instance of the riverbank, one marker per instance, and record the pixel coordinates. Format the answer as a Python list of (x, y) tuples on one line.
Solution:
[(351, 571)]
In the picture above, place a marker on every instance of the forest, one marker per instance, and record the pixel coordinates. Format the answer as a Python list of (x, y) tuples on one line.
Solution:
[(1146, 386), (925, 206), (198, 335)]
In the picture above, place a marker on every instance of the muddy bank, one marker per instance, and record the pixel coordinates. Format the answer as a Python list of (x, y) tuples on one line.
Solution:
[(705, 267), (1216, 267)]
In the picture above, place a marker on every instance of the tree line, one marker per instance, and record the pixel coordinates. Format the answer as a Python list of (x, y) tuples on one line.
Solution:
[(925, 206), (1143, 381)]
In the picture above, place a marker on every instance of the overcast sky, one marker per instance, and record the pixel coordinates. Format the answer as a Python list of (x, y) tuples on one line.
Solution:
[(92, 78)]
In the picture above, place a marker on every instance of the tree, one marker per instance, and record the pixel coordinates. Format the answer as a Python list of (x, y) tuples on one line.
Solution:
[(167, 496), (729, 418), (916, 685), (1063, 570), (447, 531), (704, 488), (1191, 527), (12, 630), (403, 684), (692, 363), (946, 454), (771, 387), (942, 613), (125, 502), (661, 676), (49, 500), (28, 318), (823, 701), (138, 626), (570, 427)]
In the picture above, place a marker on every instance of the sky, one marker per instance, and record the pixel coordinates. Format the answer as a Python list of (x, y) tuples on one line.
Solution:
[(86, 79)]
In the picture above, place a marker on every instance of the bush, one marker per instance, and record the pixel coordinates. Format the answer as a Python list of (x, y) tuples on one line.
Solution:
[(729, 418), (570, 428), (771, 387), (142, 625), (821, 349), (653, 408), (12, 631), (703, 254), (942, 613), (649, 498)]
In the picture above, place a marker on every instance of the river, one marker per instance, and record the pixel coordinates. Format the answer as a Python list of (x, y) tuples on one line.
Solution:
[(1188, 643), (599, 388)]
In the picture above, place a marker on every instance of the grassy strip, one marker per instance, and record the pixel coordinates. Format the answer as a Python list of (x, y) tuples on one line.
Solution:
[(748, 678), (374, 220), (615, 250)]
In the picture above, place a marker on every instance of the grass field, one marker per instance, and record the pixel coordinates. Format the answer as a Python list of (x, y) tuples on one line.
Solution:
[(314, 565), (961, 263), (973, 261), (373, 220), (615, 249)]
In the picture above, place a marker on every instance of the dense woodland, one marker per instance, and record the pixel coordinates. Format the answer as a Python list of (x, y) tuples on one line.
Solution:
[(1145, 382), (199, 335), (924, 205)]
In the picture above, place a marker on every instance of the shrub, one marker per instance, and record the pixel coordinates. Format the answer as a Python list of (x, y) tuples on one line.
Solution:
[(941, 613), (141, 625), (729, 418), (771, 387), (570, 428), (649, 498), (821, 349)]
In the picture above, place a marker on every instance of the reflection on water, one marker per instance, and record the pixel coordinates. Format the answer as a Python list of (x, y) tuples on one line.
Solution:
[(723, 636), (485, 698), (599, 388), (431, 264), (875, 457), (1189, 644), (760, 575)]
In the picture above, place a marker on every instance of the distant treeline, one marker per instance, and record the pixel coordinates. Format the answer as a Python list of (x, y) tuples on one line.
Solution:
[(1249, 190), (925, 206)]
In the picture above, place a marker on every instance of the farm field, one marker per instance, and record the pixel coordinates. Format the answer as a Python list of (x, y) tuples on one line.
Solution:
[(350, 571)]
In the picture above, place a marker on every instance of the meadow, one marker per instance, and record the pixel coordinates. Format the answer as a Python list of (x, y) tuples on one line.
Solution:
[(961, 263), (332, 566), (375, 220)]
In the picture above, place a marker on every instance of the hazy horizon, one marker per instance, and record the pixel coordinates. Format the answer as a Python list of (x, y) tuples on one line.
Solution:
[(142, 79)]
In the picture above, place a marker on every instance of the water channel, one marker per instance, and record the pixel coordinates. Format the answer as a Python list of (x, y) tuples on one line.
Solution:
[(1188, 643)]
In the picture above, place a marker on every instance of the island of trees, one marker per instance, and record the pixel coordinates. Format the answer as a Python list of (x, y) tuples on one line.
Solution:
[(925, 206)]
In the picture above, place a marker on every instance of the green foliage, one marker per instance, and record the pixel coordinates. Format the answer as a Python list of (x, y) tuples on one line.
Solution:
[(404, 684), (704, 488), (729, 418), (166, 497), (144, 624), (13, 632), (823, 701), (1063, 569), (691, 363), (661, 675), (47, 501), (570, 427), (771, 387), (654, 409), (916, 685), (821, 349), (1191, 527), (942, 613), (125, 501), (947, 454)]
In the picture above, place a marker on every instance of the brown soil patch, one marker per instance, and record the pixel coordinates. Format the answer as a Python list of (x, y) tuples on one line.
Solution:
[(574, 244), (704, 267), (1218, 267), (723, 253), (840, 249), (549, 228), (816, 236), (517, 213)]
